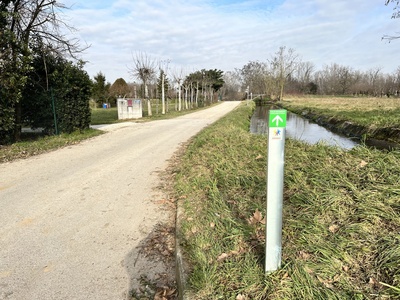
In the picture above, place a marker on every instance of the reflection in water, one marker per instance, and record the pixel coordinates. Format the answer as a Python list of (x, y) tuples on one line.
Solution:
[(300, 129)]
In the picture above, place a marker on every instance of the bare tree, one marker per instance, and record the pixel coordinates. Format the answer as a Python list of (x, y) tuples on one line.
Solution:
[(144, 69), (255, 76), (395, 15), (40, 20), (358, 86), (374, 80), (188, 84), (283, 64), (345, 79), (232, 87), (335, 79), (186, 87), (163, 65), (303, 74), (396, 76), (178, 76)]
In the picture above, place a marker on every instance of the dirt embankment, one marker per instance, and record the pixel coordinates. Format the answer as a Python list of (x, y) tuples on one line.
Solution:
[(382, 138)]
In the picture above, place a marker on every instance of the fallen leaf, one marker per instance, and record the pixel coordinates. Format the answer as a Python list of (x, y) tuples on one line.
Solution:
[(285, 277), (170, 292), (162, 201), (256, 218), (304, 255), (362, 164), (333, 228), (241, 297), (222, 257), (259, 157), (336, 278), (308, 270), (325, 282), (164, 294), (373, 281)]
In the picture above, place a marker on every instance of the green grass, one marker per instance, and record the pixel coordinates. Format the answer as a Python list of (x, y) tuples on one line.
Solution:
[(104, 116), (110, 115), (341, 218), (36, 144)]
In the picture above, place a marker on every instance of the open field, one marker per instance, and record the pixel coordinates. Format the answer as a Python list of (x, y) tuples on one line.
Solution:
[(104, 116), (345, 103), (341, 218), (372, 112)]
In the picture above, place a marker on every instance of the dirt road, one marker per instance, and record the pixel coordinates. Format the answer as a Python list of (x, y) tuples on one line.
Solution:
[(71, 220)]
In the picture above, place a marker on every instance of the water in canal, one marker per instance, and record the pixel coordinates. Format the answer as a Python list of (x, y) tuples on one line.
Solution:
[(300, 129)]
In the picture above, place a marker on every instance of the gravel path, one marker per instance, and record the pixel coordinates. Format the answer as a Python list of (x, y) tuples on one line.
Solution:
[(71, 220)]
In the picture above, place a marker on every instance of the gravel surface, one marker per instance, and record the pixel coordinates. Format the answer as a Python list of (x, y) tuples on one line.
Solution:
[(74, 222)]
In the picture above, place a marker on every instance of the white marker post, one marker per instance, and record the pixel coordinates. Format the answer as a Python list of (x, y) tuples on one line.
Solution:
[(275, 164)]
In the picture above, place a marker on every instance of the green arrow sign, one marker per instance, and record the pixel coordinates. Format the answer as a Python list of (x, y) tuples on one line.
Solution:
[(277, 118)]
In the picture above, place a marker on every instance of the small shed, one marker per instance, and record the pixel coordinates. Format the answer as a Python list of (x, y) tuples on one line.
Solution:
[(129, 108)]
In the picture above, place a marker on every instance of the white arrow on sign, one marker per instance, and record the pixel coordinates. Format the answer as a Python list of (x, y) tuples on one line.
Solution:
[(277, 119)]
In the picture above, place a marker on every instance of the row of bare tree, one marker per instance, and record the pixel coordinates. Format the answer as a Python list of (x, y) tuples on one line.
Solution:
[(189, 90), (285, 72)]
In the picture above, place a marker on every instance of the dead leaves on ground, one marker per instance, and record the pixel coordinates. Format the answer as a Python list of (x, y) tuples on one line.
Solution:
[(230, 254), (153, 289), (222, 257), (304, 255), (165, 293), (169, 202), (256, 218), (362, 164), (160, 243), (329, 282), (334, 228)]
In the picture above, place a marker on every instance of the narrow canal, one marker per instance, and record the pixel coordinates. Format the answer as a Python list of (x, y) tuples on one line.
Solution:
[(300, 129)]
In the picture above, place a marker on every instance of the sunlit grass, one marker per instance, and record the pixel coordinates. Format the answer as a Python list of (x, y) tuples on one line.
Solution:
[(369, 112), (345, 103), (42, 144), (110, 115), (341, 218)]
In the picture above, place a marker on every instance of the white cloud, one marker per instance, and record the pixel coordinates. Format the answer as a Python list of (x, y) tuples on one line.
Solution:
[(226, 34)]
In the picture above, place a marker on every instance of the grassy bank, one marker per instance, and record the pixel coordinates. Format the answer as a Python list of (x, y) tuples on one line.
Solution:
[(34, 144), (341, 236)]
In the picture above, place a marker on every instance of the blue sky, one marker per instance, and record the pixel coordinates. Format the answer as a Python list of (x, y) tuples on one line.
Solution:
[(227, 34)]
